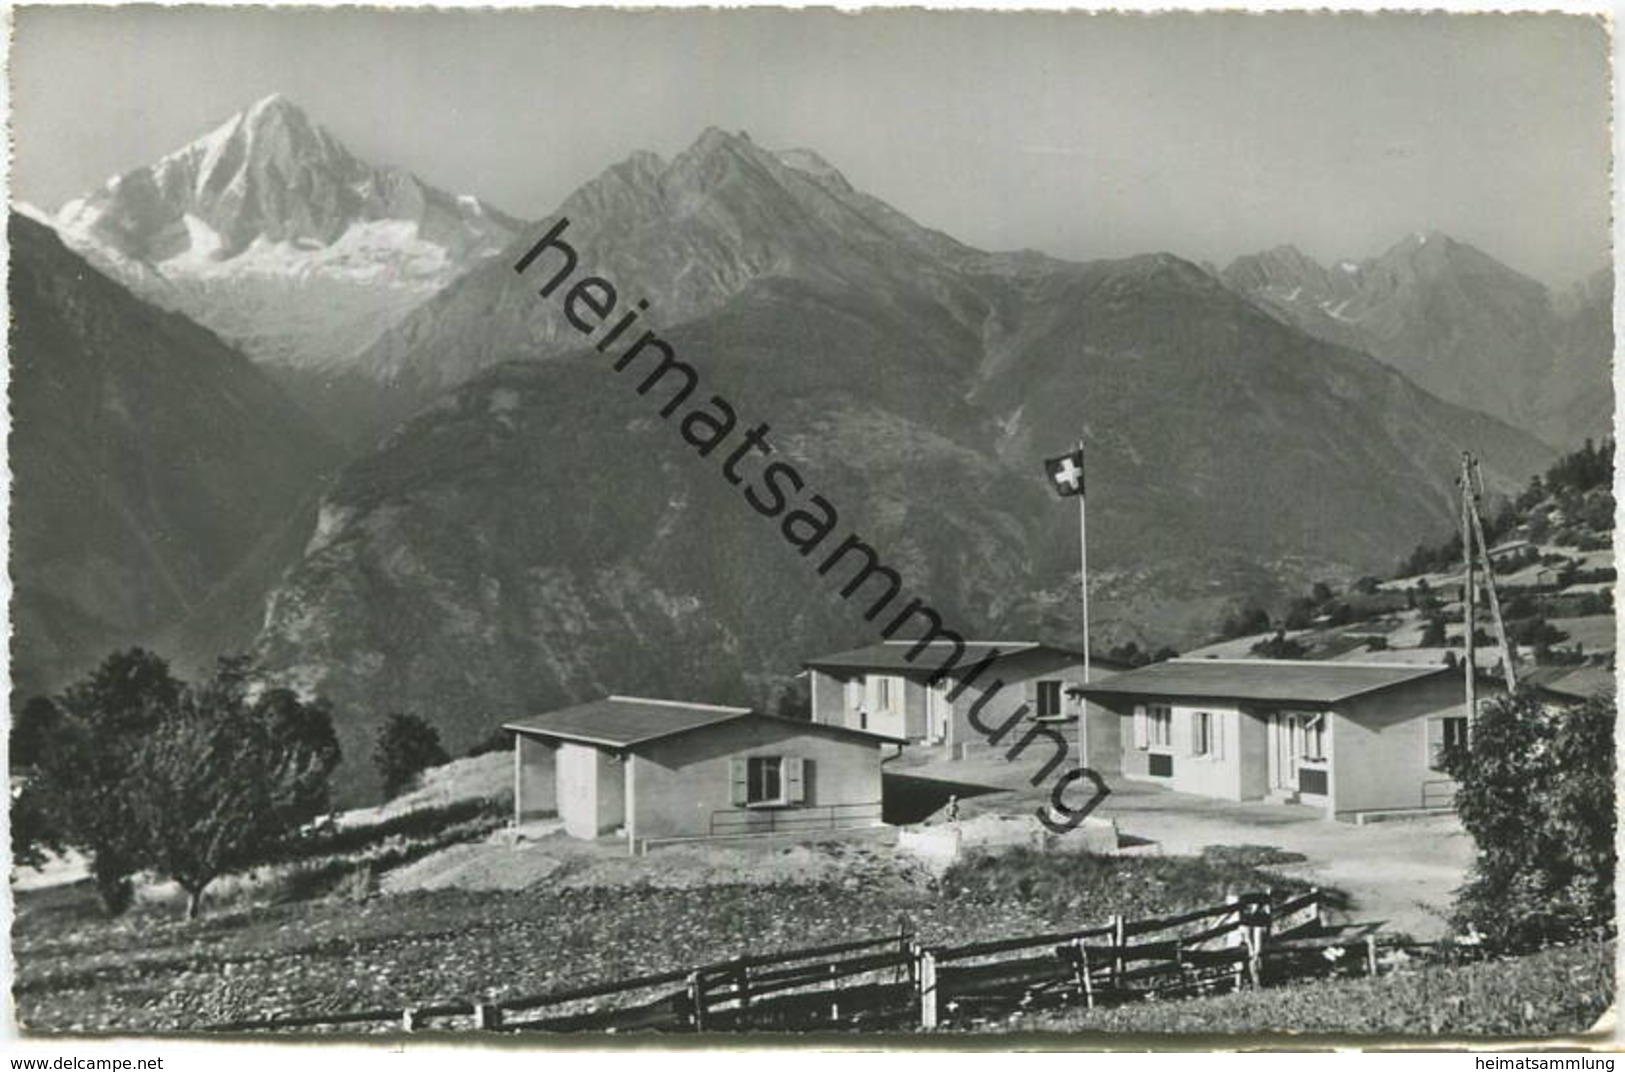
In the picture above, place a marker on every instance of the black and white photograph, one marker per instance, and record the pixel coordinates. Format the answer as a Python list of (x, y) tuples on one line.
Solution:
[(545, 526)]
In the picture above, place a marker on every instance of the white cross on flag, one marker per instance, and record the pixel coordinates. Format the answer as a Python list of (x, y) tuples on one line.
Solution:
[(1066, 473)]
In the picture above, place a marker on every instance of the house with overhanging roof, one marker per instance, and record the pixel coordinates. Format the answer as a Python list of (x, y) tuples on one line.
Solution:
[(654, 770), (1349, 737), (988, 685)]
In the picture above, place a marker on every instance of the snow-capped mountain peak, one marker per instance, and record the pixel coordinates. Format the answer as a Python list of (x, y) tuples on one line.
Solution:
[(239, 226)]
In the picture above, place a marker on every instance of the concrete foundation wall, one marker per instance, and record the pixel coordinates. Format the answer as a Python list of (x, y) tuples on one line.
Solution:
[(681, 783)]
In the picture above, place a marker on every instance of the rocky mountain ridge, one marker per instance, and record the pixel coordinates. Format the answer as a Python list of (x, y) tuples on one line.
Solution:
[(1458, 323)]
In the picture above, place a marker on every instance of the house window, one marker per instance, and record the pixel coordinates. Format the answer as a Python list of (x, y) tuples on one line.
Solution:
[(1445, 734), (764, 780), (1049, 699), (1455, 732), (1201, 733), (1153, 726)]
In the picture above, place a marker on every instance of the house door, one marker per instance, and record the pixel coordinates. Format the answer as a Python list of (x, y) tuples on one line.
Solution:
[(1298, 752)]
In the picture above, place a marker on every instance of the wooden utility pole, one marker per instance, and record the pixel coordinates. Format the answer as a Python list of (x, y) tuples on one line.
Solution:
[(1469, 594), (1509, 654)]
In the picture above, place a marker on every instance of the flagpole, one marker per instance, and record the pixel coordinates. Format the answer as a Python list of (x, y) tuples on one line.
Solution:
[(1083, 591), (1083, 570)]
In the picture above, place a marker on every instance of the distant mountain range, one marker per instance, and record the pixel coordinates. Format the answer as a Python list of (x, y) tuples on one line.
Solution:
[(536, 535), (1460, 324)]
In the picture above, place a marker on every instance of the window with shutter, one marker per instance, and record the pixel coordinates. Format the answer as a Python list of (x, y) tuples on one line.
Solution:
[(1218, 736), (1142, 739), (740, 786), (1443, 734), (1160, 725), (764, 780)]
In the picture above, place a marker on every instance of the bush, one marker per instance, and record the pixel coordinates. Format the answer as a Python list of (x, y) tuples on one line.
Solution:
[(1244, 622), (1534, 632), (498, 740), (1537, 795), (406, 746), (1557, 992), (1280, 646), (349, 866), (1079, 885), (420, 823)]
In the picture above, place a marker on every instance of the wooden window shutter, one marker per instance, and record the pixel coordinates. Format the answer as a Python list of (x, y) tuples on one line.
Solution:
[(1435, 742), (1218, 734), (738, 776), (1142, 735), (795, 782), (1029, 695)]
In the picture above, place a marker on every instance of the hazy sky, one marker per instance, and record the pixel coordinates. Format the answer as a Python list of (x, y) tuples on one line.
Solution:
[(1083, 136)]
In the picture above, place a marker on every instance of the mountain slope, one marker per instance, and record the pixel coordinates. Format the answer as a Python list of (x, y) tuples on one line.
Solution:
[(540, 535), (272, 233), (147, 458), (1455, 321)]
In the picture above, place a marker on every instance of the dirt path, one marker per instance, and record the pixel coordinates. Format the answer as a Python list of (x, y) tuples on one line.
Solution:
[(1402, 872)]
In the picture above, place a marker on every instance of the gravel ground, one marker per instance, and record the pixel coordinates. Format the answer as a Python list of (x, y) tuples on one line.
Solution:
[(1402, 872)]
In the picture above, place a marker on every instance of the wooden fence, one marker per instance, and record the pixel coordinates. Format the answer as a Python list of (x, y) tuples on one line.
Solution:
[(895, 982)]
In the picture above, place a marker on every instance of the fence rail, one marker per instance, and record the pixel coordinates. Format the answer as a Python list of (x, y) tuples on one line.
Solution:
[(734, 821), (895, 981)]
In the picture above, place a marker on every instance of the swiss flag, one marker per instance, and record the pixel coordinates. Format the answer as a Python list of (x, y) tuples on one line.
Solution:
[(1066, 473)]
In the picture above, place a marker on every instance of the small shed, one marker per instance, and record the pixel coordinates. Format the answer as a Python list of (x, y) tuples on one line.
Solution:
[(651, 769)]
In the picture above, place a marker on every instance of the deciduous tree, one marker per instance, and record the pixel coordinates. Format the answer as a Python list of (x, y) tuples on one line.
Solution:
[(78, 792), (231, 772)]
